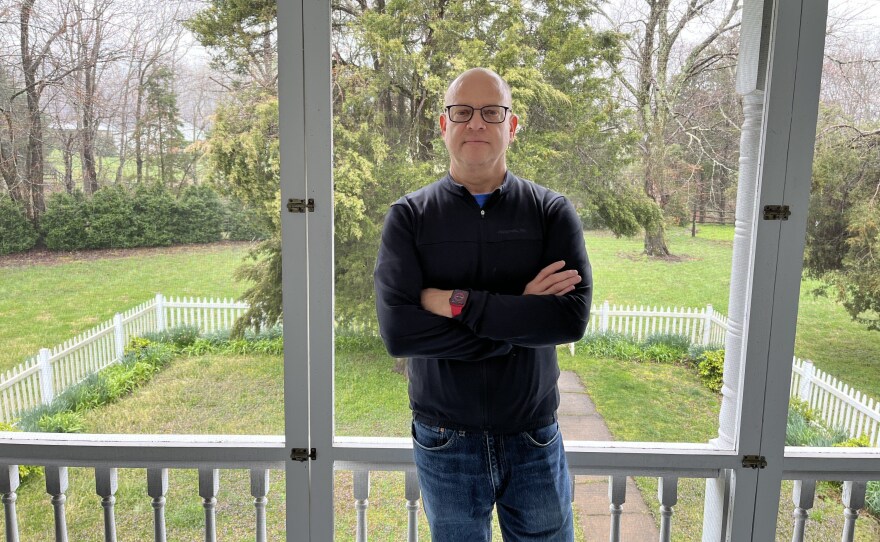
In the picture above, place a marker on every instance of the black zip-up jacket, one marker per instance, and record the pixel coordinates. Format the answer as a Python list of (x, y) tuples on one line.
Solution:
[(492, 368)]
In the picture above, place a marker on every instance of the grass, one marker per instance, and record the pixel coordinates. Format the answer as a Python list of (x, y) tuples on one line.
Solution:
[(43, 305), (825, 332)]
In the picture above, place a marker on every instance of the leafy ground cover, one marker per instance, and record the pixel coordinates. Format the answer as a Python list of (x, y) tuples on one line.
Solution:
[(43, 305)]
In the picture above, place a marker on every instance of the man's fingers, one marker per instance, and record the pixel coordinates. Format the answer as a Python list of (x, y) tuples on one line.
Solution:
[(557, 278), (549, 270), (562, 287)]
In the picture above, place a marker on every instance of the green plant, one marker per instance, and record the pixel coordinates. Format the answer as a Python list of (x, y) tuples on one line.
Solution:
[(199, 215), (695, 352), (61, 422), (112, 221), (610, 345), (65, 223), (662, 353), (803, 409), (801, 432), (17, 234), (153, 210), (136, 344), (872, 498), (711, 369), (862, 441)]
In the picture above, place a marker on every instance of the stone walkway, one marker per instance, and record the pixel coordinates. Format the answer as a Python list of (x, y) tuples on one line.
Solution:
[(578, 420)]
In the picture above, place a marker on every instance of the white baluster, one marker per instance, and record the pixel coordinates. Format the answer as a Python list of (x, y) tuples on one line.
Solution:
[(9, 482), (259, 490), (56, 485), (617, 496), (157, 487), (802, 495), (854, 500), (106, 484), (361, 486), (667, 494), (411, 491), (209, 485)]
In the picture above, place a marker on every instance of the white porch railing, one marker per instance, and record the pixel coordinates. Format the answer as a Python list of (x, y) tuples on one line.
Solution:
[(158, 453)]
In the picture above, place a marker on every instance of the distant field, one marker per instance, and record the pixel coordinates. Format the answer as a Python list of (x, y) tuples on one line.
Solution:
[(44, 305)]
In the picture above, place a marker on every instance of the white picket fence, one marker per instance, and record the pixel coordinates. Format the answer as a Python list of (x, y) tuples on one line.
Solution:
[(41, 377), (838, 404), (700, 325)]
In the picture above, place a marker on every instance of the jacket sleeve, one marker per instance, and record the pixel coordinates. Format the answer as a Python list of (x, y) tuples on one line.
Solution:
[(540, 320), (407, 329)]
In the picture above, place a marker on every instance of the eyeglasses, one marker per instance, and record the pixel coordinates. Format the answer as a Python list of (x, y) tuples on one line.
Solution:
[(492, 114)]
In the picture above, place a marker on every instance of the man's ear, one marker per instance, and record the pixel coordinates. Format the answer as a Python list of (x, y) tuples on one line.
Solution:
[(514, 122), (443, 125)]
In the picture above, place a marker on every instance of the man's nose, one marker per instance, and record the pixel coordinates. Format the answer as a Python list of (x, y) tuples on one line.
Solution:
[(476, 121)]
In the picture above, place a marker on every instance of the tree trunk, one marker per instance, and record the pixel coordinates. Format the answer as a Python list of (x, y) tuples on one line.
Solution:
[(655, 234), (34, 154), (655, 241)]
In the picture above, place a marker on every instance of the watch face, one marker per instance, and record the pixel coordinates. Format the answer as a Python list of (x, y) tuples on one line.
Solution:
[(459, 297)]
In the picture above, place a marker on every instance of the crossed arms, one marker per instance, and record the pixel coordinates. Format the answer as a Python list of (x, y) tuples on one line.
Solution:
[(416, 321)]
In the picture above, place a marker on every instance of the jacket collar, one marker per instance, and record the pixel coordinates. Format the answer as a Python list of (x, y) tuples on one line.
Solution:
[(461, 190)]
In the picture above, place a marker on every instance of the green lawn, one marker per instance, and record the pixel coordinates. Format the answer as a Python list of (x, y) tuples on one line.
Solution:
[(825, 332), (44, 305)]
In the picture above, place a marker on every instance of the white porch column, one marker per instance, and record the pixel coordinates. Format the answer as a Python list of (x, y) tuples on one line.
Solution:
[(751, 73)]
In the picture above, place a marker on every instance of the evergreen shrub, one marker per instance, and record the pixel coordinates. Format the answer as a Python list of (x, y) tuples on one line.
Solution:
[(17, 234), (243, 223), (199, 215), (65, 223), (112, 219), (154, 212)]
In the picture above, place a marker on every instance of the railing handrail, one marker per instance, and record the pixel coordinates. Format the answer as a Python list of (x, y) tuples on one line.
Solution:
[(138, 451)]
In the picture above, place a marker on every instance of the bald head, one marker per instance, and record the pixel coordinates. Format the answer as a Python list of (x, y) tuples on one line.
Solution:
[(481, 76)]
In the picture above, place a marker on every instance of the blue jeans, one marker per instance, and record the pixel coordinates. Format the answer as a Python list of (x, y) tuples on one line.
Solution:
[(463, 474)]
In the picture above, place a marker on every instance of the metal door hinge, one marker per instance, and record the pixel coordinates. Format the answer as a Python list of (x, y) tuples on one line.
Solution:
[(303, 454), (776, 212), (300, 205), (754, 461)]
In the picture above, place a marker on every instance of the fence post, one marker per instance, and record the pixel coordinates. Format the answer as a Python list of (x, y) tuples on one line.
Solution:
[(603, 317), (160, 312), (806, 384), (47, 386), (120, 336), (707, 325)]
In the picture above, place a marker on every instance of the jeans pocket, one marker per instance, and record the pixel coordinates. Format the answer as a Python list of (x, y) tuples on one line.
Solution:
[(432, 439), (542, 436)]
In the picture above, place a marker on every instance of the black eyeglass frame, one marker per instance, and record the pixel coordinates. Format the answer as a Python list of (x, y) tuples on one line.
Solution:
[(480, 109)]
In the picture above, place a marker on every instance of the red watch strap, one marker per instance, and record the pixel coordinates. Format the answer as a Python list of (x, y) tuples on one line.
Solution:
[(456, 309)]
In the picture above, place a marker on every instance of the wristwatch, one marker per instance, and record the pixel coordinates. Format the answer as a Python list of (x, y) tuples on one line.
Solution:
[(457, 301)]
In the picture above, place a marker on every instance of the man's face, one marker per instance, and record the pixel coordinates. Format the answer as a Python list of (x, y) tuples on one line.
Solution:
[(477, 144)]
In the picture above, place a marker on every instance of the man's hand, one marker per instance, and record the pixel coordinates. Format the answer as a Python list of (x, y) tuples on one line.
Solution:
[(552, 281), (437, 301)]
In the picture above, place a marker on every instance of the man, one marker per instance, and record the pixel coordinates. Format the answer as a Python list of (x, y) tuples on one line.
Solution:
[(479, 276)]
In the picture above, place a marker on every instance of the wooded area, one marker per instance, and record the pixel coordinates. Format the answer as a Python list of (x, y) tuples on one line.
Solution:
[(628, 107)]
